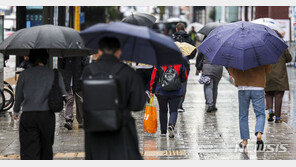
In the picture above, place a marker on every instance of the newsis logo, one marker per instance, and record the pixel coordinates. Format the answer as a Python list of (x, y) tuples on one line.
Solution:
[(268, 147)]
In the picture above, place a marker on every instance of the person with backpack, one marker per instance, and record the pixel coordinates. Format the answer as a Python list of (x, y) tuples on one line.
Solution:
[(166, 85), (111, 90), (182, 36), (214, 74), (37, 121)]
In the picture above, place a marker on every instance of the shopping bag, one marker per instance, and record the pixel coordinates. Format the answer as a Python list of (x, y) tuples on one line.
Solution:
[(150, 118)]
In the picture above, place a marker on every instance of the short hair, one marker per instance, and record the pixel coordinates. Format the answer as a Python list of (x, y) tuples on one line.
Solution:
[(109, 45), (38, 56), (180, 26)]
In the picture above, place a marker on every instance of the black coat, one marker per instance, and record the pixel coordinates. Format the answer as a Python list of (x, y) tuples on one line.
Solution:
[(122, 144), (72, 68), (182, 36)]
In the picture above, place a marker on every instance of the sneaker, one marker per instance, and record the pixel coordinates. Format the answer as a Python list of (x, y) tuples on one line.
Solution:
[(210, 109), (270, 115), (181, 110), (278, 120), (68, 125), (215, 108), (171, 131)]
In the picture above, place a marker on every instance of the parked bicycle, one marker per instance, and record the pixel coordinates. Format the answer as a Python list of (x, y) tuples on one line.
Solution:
[(6, 97)]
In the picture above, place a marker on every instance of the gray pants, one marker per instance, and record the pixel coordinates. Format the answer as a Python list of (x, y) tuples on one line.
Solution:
[(71, 96), (211, 91), (184, 87)]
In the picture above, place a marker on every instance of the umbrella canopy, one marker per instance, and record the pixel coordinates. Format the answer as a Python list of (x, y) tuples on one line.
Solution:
[(185, 48), (139, 44), (271, 23), (140, 19), (59, 41), (243, 45), (209, 27), (197, 27)]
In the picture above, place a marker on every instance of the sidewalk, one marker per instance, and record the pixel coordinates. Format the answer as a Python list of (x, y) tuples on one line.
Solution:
[(199, 135)]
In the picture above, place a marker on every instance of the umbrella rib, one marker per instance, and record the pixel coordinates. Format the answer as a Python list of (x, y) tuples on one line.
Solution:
[(265, 43), (221, 45)]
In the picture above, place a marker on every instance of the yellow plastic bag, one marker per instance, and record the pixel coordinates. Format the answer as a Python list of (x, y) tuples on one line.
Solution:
[(150, 118)]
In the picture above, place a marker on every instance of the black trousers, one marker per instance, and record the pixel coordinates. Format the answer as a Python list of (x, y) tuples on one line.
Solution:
[(166, 103), (36, 133)]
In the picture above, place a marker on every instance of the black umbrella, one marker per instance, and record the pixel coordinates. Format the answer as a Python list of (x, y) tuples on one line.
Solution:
[(57, 40), (209, 27), (140, 19)]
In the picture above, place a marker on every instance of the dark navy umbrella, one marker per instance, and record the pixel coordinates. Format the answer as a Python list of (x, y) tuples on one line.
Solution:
[(243, 45), (139, 43)]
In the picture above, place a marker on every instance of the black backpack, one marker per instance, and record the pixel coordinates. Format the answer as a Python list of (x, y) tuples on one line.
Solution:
[(55, 97), (102, 99), (170, 80)]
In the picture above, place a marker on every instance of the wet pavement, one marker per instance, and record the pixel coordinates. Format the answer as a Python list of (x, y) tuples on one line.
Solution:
[(199, 135)]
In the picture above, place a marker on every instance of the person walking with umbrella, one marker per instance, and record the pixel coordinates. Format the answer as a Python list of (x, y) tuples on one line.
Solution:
[(182, 36), (214, 74), (276, 85), (37, 122), (122, 143), (248, 50), (40, 90)]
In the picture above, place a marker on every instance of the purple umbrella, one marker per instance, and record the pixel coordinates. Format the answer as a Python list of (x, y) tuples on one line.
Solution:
[(243, 45)]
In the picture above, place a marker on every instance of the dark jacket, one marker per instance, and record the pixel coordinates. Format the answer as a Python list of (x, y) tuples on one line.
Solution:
[(277, 79), (182, 36), (72, 68), (202, 63), (122, 144), (33, 87), (157, 73)]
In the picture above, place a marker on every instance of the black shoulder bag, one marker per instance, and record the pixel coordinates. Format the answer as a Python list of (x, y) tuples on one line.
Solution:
[(55, 97)]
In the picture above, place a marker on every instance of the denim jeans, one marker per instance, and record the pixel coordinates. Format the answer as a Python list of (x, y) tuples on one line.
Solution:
[(257, 97)]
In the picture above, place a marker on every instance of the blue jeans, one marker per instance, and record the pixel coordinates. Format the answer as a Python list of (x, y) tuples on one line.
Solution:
[(257, 97)]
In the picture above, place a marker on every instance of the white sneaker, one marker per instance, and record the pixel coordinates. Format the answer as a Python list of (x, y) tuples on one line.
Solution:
[(181, 110)]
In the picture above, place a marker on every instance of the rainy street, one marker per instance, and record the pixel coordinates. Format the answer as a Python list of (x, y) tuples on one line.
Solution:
[(199, 135), (76, 82)]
